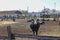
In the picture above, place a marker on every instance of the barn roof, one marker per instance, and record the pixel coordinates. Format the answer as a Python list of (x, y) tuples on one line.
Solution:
[(11, 12)]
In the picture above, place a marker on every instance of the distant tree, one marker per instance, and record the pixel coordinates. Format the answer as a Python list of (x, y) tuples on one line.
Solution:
[(46, 16), (53, 10), (47, 11)]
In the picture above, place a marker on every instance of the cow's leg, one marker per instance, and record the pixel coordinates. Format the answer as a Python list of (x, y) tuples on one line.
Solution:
[(36, 32), (33, 32)]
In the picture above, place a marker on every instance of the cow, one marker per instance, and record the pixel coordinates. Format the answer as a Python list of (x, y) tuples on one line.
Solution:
[(35, 24), (13, 19)]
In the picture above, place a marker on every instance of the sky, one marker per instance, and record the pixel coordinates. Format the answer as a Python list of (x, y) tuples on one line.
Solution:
[(31, 5)]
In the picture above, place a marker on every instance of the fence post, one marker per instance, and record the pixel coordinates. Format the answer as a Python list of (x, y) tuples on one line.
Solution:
[(11, 36)]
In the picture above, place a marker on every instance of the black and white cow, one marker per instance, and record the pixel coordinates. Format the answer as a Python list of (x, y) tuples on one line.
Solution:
[(35, 24)]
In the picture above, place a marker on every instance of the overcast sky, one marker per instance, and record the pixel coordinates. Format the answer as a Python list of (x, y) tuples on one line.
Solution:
[(33, 5)]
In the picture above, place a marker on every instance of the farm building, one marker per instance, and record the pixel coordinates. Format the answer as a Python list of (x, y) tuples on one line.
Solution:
[(38, 14), (12, 13)]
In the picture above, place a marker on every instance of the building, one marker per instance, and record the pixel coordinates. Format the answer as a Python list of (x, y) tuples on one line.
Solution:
[(37, 14), (12, 13)]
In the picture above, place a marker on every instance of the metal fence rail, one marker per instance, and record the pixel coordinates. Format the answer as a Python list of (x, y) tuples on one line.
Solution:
[(33, 37)]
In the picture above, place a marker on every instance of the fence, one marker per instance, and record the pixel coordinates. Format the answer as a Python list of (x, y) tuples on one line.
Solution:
[(12, 36)]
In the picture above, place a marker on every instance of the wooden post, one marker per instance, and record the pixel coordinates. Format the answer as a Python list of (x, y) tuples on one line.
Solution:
[(11, 36)]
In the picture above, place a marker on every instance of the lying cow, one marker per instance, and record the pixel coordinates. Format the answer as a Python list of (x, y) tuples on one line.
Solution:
[(35, 25)]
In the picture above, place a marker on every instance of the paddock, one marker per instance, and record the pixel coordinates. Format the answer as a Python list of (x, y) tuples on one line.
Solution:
[(50, 28)]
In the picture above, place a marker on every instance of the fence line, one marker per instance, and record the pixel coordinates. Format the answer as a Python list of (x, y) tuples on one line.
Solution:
[(32, 36), (12, 36)]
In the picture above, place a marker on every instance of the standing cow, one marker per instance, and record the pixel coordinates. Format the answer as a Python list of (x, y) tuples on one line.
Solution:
[(35, 26)]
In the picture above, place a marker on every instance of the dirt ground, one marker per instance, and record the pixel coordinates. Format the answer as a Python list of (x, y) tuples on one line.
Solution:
[(50, 28)]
